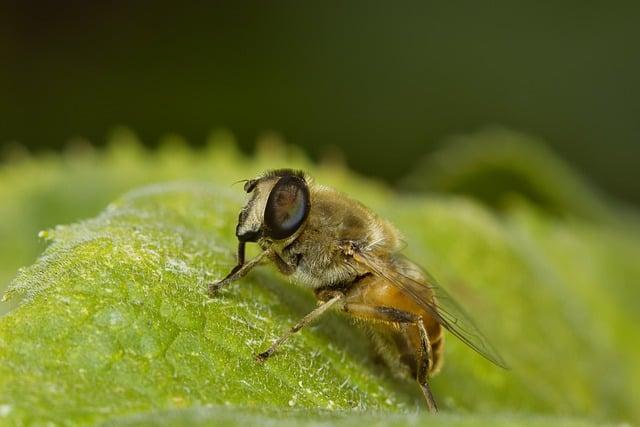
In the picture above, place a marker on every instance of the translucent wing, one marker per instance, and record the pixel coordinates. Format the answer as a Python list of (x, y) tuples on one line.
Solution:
[(443, 307)]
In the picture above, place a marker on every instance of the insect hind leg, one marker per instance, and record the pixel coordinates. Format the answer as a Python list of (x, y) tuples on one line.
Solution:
[(393, 315), (424, 363)]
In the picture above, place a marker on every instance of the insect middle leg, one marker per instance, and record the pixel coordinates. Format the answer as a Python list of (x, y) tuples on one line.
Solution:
[(306, 320), (393, 315)]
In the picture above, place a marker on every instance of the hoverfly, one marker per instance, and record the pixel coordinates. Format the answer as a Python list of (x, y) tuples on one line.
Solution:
[(350, 258)]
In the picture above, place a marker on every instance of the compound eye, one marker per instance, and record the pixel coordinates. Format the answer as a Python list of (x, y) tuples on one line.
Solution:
[(287, 207)]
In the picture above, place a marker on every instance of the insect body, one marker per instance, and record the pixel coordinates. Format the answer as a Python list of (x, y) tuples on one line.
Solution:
[(350, 258)]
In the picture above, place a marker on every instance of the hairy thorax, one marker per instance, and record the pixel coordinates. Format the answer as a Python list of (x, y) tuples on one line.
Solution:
[(316, 257)]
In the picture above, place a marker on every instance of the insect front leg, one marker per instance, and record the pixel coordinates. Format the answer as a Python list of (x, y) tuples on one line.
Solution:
[(239, 271), (306, 320), (393, 315)]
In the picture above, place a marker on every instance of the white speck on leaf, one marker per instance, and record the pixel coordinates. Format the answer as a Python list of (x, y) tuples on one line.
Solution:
[(5, 410), (177, 266)]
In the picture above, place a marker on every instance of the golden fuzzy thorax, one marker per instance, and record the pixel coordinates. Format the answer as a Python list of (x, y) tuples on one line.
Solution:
[(334, 219)]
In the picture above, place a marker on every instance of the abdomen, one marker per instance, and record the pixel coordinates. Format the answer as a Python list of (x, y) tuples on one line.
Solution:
[(398, 345)]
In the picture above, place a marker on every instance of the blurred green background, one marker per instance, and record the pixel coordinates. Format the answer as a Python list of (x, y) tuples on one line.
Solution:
[(382, 85)]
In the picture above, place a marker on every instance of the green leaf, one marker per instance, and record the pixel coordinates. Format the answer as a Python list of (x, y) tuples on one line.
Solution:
[(114, 323), (121, 321), (226, 416)]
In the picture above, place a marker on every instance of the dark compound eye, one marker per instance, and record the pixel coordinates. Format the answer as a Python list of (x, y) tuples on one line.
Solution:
[(287, 207)]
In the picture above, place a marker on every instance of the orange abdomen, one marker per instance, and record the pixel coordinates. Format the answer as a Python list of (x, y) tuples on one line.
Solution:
[(375, 291)]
